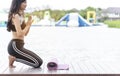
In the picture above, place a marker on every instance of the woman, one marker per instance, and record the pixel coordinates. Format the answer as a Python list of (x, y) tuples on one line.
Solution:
[(20, 29)]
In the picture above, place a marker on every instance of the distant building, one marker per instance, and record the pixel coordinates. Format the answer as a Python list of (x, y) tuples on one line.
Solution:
[(112, 13)]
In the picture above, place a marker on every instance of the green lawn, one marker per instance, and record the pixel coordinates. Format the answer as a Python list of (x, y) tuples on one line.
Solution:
[(113, 23)]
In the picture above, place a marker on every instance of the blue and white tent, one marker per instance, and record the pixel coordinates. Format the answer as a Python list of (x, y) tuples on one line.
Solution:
[(73, 19), (3, 18)]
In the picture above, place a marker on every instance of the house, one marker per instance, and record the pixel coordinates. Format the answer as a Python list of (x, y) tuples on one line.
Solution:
[(111, 13)]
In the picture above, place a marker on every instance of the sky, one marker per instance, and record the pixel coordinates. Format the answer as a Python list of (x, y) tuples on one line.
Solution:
[(65, 4)]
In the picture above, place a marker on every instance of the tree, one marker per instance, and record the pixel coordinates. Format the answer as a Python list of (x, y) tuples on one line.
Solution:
[(83, 12)]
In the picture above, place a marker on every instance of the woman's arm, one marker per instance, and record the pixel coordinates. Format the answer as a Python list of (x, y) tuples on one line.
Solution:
[(23, 27), (16, 21), (28, 23), (27, 31)]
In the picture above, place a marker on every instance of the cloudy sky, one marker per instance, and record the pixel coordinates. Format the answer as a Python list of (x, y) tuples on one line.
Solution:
[(66, 4)]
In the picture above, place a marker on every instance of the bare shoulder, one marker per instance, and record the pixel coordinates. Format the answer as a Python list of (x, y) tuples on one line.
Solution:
[(16, 16), (16, 19)]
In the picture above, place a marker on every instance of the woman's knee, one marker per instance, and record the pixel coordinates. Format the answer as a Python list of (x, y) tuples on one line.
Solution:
[(40, 62)]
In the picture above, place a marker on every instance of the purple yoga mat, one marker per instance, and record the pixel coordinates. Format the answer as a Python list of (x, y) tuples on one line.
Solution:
[(54, 65)]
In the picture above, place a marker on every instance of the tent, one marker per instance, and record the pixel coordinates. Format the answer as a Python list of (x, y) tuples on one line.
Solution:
[(72, 19), (3, 18)]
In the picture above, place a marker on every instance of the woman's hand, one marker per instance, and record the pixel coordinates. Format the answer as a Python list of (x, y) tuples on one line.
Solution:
[(30, 21)]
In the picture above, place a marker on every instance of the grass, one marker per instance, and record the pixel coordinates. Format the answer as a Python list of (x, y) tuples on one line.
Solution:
[(113, 23)]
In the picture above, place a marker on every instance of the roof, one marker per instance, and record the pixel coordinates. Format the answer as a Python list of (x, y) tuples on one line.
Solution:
[(112, 10)]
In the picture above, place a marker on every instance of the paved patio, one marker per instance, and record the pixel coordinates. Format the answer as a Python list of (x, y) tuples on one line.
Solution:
[(87, 50)]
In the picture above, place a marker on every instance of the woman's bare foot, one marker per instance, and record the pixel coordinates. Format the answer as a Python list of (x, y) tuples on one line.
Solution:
[(11, 61)]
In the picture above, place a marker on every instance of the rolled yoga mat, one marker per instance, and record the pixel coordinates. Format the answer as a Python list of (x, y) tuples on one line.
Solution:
[(54, 65)]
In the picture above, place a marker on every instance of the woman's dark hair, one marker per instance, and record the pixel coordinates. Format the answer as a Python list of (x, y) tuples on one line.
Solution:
[(14, 9)]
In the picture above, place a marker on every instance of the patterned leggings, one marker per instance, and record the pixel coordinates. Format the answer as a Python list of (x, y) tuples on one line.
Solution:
[(16, 49)]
